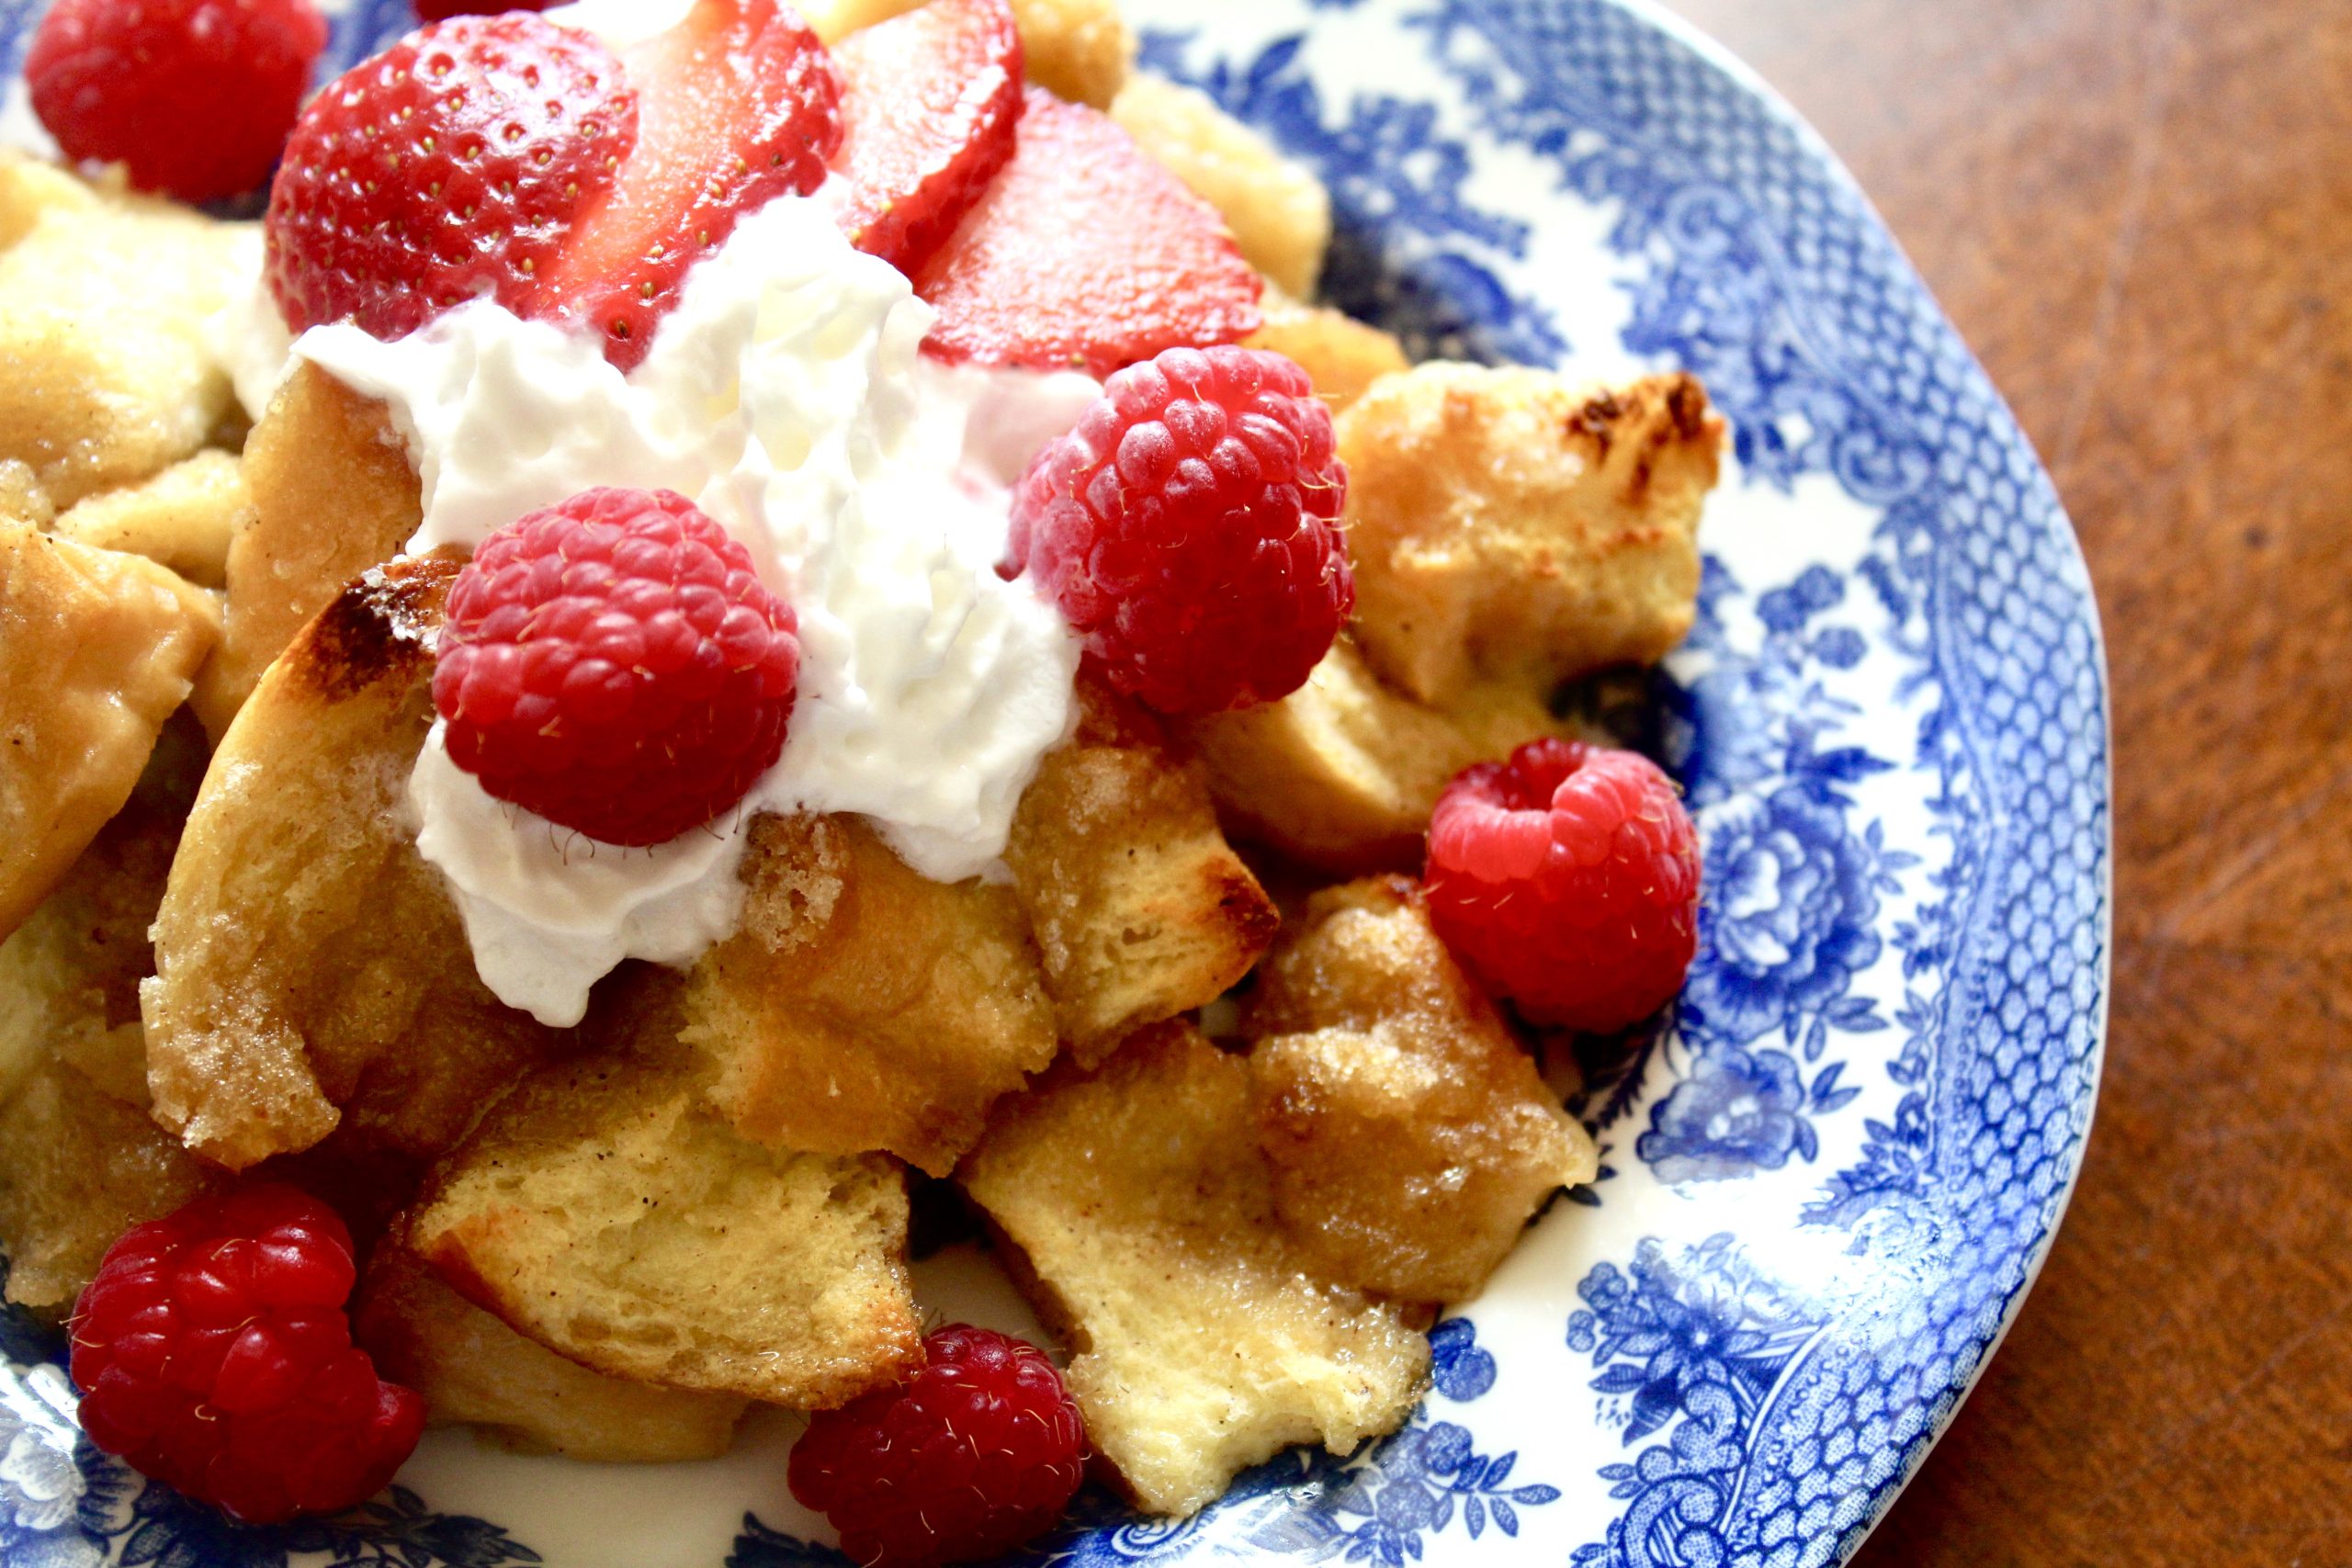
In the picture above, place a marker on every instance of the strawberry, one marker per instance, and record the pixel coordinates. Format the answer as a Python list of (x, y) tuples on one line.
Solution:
[(928, 105), (453, 163), (736, 104), (1086, 252)]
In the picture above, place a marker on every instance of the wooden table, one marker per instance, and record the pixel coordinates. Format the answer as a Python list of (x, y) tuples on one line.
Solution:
[(2140, 213)]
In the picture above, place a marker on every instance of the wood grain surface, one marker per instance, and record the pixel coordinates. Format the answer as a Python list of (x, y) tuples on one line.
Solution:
[(2140, 213)]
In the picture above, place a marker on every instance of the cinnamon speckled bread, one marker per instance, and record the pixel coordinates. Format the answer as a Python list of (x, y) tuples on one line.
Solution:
[(1341, 774), (77, 1168), (311, 967), (106, 376), (1509, 524), (1140, 909), (1410, 1134), (1205, 1341), (97, 649), (332, 494), (183, 518), (862, 1005), (471, 1368), (603, 1211)]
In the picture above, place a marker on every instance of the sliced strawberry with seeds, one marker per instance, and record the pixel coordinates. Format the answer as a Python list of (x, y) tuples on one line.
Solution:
[(1085, 253), (928, 105), (736, 105), (453, 164)]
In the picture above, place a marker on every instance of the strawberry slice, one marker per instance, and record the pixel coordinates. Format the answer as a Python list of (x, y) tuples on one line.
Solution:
[(1085, 253), (929, 103), (453, 164), (738, 104)]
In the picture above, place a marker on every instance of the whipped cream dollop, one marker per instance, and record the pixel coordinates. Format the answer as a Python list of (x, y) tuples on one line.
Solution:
[(785, 396)]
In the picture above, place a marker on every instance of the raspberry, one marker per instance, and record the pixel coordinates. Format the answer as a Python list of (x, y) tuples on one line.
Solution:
[(195, 96), (214, 1354), (442, 10), (1188, 528), (974, 1454), (452, 164), (614, 664), (1567, 880)]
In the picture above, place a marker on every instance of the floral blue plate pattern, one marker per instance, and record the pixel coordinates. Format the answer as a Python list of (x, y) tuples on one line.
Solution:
[(1827, 1184)]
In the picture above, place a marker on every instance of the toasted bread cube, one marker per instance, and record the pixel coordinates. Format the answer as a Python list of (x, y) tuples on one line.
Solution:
[(1278, 212), (32, 189), (1340, 354), (311, 968), (96, 650), (602, 1210), (69, 977), (332, 494), (22, 498), (183, 518), (105, 374), (1509, 525), (1411, 1135), (471, 1368), (1204, 1339), (1078, 49), (1140, 909), (1342, 774), (862, 1005), (77, 1168)]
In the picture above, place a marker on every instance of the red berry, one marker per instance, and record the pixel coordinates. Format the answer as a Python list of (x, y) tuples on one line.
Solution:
[(455, 161), (614, 664), (738, 104), (1188, 528), (1567, 880), (1086, 252), (974, 1454), (442, 10), (929, 103), (214, 1354), (195, 96)]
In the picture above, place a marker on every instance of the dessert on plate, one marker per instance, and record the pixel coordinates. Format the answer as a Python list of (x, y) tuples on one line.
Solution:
[(722, 613)]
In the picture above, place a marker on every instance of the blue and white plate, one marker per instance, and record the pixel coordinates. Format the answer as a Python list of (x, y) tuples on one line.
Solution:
[(1826, 1190)]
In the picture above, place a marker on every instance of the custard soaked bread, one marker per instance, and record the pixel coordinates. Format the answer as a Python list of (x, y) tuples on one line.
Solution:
[(332, 494), (1410, 1135), (1203, 1339), (1341, 773), (183, 518), (1140, 909), (1511, 525), (603, 1211), (1278, 212), (471, 1368), (863, 1006), (105, 374), (96, 650), (1078, 49), (1340, 354), (311, 969)]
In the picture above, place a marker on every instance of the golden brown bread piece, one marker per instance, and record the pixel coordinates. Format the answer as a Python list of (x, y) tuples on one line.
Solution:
[(69, 977), (1342, 774), (96, 650), (1511, 525), (182, 518), (1204, 1340), (311, 967), (331, 495), (602, 1210), (470, 1367), (77, 1168), (1140, 909), (1078, 49), (1409, 1133), (1278, 212), (1340, 354), (105, 374), (863, 1006)]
